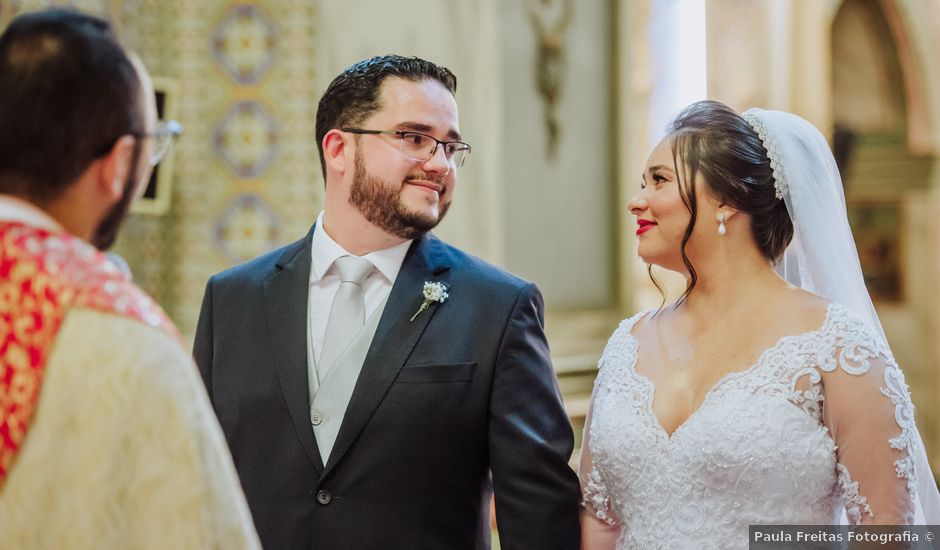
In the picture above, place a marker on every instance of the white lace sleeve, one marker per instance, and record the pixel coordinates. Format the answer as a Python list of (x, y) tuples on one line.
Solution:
[(595, 499), (868, 410), (855, 504)]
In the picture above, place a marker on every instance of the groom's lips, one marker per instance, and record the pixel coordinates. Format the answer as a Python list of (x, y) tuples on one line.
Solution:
[(645, 225), (429, 185)]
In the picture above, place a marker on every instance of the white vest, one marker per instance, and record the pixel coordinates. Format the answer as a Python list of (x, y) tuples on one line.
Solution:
[(329, 398)]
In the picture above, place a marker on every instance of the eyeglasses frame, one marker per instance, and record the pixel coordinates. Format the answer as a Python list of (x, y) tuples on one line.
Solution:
[(170, 128), (401, 134), (167, 130)]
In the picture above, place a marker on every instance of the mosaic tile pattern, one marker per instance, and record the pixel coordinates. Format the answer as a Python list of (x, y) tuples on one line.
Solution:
[(245, 43), (246, 139), (248, 227), (246, 175)]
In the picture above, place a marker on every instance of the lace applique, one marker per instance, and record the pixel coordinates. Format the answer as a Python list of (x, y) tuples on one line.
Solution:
[(595, 498), (859, 346), (855, 504), (810, 400), (896, 390), (756, 451)]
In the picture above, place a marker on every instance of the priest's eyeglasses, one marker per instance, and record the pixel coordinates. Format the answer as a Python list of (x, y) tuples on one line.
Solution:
[(163, 137), (421, 147)]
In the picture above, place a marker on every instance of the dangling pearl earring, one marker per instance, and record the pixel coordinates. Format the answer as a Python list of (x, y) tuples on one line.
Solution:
[(721, 224)]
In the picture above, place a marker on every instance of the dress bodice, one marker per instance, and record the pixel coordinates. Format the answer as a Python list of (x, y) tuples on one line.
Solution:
[(756, 451)]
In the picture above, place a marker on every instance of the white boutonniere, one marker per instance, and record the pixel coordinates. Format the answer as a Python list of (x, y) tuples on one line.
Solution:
[(433, 292)]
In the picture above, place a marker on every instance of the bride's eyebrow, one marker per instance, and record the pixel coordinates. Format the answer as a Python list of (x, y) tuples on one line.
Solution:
[(660, 167)]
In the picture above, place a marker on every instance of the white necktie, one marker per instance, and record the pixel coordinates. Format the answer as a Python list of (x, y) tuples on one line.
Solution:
[(348, 312)]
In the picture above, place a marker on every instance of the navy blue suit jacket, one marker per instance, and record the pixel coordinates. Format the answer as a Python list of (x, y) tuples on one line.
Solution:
[(448, 408)]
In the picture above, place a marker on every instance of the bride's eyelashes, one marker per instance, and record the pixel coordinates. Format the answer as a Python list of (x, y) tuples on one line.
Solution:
[(657, 179)]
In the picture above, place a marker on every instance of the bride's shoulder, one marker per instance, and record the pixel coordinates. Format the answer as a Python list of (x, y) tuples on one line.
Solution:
[(627, 325), (805, 304), (794, 311), (622, 336), (849, 329), (834, 319), (846, 339), (823, 318)]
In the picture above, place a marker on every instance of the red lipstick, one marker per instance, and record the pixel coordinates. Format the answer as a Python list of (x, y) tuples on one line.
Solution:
[(644, 226)]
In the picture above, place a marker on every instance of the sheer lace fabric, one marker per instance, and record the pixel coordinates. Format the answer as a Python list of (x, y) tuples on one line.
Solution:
[(769, 445)]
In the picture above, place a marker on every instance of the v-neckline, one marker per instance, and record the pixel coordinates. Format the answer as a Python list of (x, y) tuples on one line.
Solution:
[(651, 386)]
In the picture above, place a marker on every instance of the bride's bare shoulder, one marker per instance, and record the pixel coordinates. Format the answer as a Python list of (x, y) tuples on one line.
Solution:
[(801, 309), (807, 301), (651, 321), (637, 322)]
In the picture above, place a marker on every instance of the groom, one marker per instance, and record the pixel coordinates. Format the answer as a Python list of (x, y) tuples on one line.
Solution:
[(375, 384)]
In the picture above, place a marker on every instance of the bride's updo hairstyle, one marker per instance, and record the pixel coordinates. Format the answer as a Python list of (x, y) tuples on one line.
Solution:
[(708, 137)]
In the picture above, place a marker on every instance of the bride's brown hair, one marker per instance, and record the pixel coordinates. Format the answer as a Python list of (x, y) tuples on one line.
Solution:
[(709, 137)]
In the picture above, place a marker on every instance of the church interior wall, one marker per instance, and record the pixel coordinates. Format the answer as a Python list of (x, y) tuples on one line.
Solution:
[(246, 176)]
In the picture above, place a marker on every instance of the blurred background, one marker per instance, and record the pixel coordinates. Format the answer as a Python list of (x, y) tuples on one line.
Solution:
[(562, 101)]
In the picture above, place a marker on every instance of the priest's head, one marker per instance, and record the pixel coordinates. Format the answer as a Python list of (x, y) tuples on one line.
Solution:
[(80, 134)]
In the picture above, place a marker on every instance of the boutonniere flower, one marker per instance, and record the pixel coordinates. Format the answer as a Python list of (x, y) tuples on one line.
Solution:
[(433, 292)]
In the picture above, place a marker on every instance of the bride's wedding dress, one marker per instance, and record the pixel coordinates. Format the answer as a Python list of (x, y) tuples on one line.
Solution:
[(768, 445)]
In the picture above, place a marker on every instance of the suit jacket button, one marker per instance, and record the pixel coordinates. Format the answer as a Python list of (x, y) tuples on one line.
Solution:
[(324, 497)]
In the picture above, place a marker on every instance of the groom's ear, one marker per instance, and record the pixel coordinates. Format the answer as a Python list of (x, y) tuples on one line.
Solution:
[(335, 151)]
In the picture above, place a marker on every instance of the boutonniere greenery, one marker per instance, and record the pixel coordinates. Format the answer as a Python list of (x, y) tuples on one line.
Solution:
[(434, 292)]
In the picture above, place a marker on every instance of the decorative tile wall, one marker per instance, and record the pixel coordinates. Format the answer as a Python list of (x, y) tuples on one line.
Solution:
[(246, 175)]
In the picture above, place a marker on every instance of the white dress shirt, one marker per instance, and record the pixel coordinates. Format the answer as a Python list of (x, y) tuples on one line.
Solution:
[(324, 282)]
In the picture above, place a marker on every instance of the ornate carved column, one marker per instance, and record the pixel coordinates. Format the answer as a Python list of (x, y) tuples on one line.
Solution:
[(740, 67)]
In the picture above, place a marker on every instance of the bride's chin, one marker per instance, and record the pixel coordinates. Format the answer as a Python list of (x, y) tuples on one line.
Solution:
[(663, 264), (650, 257)]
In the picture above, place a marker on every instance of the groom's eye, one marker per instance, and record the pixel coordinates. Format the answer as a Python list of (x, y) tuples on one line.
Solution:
[(414, 139)]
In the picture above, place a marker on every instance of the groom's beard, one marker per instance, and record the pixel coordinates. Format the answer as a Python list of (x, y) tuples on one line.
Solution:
[(382, 206)]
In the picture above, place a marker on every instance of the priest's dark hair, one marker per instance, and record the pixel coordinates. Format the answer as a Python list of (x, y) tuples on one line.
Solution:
[(69, 92)]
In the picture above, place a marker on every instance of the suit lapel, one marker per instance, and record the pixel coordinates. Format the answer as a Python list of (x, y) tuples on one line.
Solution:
[(394, 338), (285, 296)]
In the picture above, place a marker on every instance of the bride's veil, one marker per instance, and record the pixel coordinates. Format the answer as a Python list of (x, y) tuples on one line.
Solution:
[(822, 257)]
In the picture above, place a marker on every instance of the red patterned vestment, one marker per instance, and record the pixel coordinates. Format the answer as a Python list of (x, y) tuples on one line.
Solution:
[(43, 275)]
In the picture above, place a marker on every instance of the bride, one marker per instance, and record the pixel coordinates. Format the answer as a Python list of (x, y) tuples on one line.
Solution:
[(767, 393)]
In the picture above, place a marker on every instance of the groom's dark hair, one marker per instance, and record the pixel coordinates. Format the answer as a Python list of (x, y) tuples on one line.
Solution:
[(354, 94)]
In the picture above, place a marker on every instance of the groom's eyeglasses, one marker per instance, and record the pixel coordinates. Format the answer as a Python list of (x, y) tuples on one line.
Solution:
[(421, 147)]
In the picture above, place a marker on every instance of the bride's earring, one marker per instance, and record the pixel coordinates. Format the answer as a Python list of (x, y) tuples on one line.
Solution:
[(721, 224)]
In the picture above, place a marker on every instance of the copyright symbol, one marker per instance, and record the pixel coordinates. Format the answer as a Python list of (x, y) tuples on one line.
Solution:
[(929, 536)]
